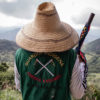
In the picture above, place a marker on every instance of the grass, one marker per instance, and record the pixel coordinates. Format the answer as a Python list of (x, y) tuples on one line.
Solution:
[(94, 79), (94, 69), (93, 61), (9, 94), (88, 56), (7, 57), (7, 78)]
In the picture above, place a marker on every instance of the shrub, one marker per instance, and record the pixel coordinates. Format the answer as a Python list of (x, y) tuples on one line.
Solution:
[(3, 67), (92, 93), (6, 79)]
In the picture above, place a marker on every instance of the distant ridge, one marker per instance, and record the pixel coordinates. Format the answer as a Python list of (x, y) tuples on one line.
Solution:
[(7, 51), (93, 47), (9, 34), (92, 51), (7, 46)]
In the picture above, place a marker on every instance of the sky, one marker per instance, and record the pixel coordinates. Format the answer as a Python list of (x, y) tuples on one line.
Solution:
[(15, 13)]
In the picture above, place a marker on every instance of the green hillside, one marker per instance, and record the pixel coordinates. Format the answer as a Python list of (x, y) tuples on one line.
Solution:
[(93, 47), (92, 51), (7, 51), (7, 46)]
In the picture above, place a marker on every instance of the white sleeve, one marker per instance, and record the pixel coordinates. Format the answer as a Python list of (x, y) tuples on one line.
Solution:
[(17, 77), (76, 84)]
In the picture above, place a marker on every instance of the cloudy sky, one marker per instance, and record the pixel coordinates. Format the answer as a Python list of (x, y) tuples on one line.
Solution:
[(75, 12)]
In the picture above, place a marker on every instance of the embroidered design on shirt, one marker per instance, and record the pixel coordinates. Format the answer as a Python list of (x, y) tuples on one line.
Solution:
[(33, 77), (49, 54), (56, 57), (53, 79), (44, 67), (44, 81), (31, 57)]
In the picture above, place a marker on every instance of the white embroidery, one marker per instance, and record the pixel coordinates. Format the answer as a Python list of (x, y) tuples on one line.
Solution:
[(44, 66)]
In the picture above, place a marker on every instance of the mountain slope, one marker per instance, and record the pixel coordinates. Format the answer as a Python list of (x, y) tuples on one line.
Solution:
[(7, 46), (93, 47), (7, 51), (92, 51), (9, 33)]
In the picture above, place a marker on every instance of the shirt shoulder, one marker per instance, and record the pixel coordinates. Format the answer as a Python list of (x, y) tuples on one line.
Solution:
[(21, 51)]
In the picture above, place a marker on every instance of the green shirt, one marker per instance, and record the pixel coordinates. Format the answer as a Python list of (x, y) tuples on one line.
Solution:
[(45, 76)]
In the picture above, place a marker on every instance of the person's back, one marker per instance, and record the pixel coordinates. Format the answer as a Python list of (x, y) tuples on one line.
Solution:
[(45, 76)]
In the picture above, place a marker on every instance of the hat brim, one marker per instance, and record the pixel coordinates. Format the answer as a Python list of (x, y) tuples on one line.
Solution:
[(61, 39)]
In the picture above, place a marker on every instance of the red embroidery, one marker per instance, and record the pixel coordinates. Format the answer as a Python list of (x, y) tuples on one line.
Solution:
[(43, 81), (47, 81), (33, 77), (53, 79)]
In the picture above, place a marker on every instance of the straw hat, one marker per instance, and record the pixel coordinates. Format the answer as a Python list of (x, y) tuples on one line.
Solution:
[(47, 33)]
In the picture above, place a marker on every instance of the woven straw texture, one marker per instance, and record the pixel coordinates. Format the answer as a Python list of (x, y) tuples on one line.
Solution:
[(47, 33)]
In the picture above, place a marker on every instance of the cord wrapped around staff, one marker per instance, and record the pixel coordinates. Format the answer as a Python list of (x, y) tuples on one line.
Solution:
[(78, 48), (84, 32)]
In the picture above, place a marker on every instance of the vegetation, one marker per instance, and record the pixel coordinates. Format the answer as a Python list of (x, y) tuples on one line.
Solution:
[(7, 51), (92, 93), (7, 86), (93, 47), (7, 46), (10, 94), (6, 76), (3, 67)]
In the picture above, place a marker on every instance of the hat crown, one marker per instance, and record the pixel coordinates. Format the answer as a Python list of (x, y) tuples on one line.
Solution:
[(47, 18), (46, 8)]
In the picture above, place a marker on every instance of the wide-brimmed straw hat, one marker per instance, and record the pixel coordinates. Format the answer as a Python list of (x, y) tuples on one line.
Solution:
[(47, 33)]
